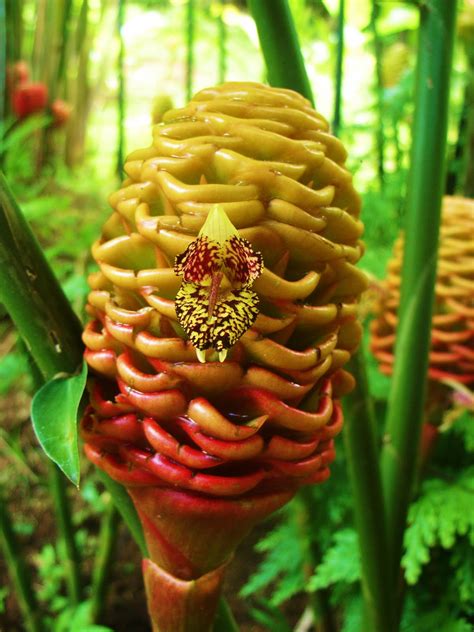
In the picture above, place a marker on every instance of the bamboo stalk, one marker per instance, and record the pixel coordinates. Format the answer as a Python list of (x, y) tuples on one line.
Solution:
[(79, 91), (190, 28), (104, 559), (364, 473), (121, 89), (69, 553), (379, 129), (3, 71), (339, 69), (18, 572), (425, 188), (65, 31), (280, 46), (13, 9)]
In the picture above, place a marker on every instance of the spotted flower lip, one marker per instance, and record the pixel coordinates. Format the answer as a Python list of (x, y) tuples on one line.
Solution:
[(214, 304)]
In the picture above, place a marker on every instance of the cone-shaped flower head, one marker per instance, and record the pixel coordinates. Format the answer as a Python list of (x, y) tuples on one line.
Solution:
[(222, 316), (452, 335)]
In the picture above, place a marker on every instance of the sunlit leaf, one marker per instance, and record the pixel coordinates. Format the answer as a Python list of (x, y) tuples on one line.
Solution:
[(54, 416)]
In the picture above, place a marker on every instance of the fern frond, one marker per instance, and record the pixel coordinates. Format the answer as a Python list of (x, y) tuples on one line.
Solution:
[(341, 562), (444, 511), (284, 561)]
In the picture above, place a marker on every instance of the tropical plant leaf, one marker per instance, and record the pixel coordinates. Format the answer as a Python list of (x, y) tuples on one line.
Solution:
[(54, 416)]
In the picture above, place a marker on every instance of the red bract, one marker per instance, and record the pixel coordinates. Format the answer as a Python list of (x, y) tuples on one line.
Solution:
[(61, 112), (29, 98)]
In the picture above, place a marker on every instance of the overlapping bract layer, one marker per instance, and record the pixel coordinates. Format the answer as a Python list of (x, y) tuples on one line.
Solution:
[(452, 333), (266, 157)]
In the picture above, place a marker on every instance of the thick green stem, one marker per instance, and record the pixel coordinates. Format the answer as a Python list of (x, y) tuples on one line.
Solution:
[(280, 46), (363, 466), (68, 551), (190, 24), (104, 559), (18, 572), (32, 295), (63, 44), (379, 129), (121, 88), (425, 188), (339, 74)]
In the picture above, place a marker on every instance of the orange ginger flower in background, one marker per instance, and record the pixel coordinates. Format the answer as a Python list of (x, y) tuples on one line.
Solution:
[(222, 316), (452, 334), (451, 360)]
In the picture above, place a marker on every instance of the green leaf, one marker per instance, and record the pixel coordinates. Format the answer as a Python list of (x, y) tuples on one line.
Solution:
[(54, 416), (126, 509)]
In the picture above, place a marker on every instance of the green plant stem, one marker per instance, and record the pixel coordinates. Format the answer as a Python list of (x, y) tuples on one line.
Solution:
[(190, 27), (339, 69), (57, 484), (32, 295), (280, 46), (104, 559), (126, 508), (69, 554), (224, 621), (63, 47), (363, 467), (425, 188), (121, 89), (18, 572), (306, 517), (379, 128)]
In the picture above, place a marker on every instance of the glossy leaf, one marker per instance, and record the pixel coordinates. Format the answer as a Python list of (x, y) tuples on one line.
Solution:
[(54, 416)]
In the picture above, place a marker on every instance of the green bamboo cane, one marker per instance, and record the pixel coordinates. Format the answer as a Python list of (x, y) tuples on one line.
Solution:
[(339, 69), (425, 188), (362, 457), (13, 10), (3, 70), (64, 44), (280, 46), (121, 89), (379, 130), (69, 554), (190, 28), (104, 559), (18, 572)]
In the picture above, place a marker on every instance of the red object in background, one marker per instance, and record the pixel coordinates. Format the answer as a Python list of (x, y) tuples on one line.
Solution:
[(61, 112), (29, 98), (21, 72)]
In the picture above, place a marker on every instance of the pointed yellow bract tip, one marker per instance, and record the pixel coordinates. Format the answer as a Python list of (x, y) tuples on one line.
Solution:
[(201, 355), (218, 226)]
